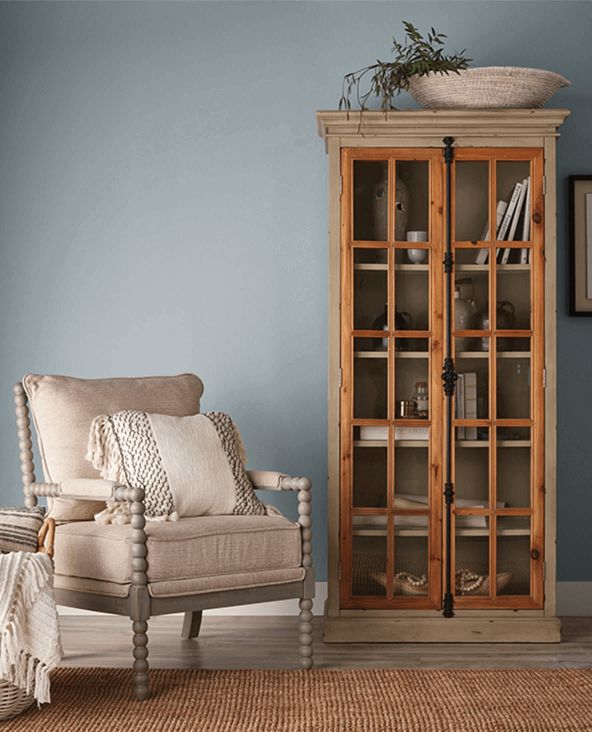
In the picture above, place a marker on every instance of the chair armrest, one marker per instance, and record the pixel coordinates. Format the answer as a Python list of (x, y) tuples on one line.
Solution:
[(82, 489), (270, 480)]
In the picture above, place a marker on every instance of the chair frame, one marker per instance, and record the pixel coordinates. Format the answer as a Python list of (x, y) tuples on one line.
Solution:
[(139, 605)]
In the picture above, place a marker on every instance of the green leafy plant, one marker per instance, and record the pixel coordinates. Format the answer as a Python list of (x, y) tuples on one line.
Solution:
[(417, 55)]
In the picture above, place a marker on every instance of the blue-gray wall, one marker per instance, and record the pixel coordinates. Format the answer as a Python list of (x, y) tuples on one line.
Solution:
[(163, 205)]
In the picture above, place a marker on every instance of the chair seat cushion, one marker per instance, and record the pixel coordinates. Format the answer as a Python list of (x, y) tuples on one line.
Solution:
[(191, 548)]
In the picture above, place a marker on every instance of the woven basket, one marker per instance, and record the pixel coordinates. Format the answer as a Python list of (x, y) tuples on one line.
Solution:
[(489, 87), (13, 700)]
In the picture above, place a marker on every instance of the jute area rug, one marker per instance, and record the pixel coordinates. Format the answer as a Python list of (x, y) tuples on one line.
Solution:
[(525, 700)]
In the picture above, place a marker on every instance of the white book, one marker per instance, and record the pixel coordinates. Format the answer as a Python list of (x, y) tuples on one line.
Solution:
[(481, 257), (470, 403), (505, 225), (482, 254), (517, 211), (524, 256), (460, 405), (526, 221)]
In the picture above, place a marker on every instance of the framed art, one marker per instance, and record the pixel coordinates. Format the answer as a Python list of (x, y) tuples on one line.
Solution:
[(580, 234)]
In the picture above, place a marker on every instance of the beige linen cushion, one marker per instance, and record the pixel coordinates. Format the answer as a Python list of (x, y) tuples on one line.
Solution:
[(205, 547), (63, 408)]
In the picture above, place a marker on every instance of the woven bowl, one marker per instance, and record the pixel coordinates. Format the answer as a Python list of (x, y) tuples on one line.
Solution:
[(13, 700), (489, 87)]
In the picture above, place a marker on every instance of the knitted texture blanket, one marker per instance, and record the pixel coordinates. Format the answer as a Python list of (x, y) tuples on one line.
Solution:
[(30, 644)]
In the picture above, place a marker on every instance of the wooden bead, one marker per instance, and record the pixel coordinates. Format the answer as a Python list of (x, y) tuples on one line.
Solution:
[(306, 616), (307, 561), (304, 484), (304, 509), (139, 578), (305, 604), (306, 534), (305, 521), (306, 651), (137, 520), (304, 496), (139, 550), (306, 628)]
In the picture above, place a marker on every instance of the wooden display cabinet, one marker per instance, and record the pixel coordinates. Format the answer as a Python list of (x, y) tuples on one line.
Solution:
[(442, 509)]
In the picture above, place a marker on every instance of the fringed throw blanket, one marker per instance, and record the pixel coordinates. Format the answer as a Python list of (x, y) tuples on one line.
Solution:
[(187, 466), (29, 634)]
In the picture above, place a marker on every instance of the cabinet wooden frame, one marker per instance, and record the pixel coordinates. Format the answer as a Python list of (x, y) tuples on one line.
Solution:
[(500, 135)]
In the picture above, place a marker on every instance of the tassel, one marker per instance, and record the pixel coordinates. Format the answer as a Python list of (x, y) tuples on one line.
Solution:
[(103, 450)]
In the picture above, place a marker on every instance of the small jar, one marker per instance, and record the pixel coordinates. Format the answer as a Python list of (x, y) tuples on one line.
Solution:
[(421, 401)]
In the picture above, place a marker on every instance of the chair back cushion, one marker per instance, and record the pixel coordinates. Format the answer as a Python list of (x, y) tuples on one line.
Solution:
[(64, 407)]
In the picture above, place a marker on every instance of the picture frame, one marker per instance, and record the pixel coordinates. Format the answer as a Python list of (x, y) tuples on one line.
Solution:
[(580, 237)]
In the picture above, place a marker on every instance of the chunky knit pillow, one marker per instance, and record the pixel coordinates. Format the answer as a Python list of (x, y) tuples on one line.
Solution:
[(187, 466), (19, 528)]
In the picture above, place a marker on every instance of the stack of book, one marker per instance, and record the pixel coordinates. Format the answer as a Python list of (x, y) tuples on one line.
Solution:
[(512, 224), (466, 404)]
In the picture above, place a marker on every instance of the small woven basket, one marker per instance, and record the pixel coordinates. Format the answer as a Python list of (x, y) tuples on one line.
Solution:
[(13, 700), (489, 87)]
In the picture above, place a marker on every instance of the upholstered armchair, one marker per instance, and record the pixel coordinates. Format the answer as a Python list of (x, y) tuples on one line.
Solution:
[(144, 568)]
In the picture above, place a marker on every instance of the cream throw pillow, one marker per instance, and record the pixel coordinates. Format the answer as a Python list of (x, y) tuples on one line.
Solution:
[(187, 466)]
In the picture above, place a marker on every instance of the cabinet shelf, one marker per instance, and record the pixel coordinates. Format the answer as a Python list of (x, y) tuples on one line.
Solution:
[(398, 354), (382, 267), (409, 531), (398, 443), (499, 354), (499, 268)]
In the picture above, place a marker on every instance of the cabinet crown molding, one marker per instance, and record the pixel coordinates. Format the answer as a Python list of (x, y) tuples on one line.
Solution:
[(429, 123)]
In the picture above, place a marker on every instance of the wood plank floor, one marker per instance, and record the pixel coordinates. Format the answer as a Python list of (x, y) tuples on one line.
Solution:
[(227, 642)]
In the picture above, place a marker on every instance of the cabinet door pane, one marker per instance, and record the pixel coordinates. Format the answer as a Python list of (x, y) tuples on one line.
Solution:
[(412, 200), (411, 379), (411, 557), (370, 379), (411, 474), (370, 476), (370, 290), (369, 565), (513, 196), (472, 559), (370, 200), (471, 200), (513, 311), (513, 385), (471, 302), (472, 386), (471, 470), (412, 294), (513, 555), (513, 467)]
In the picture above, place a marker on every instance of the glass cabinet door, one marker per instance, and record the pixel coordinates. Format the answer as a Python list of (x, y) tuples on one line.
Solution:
[(391, 360), (497, 331), (393, 318)]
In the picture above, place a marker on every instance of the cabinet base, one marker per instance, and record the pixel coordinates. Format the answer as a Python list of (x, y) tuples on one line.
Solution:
[(486, 629)]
